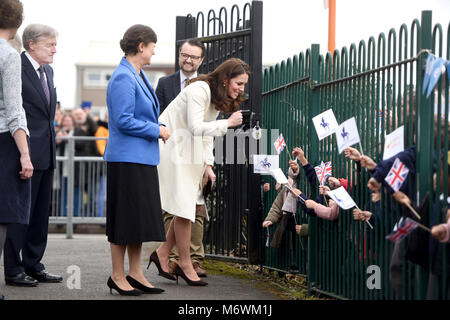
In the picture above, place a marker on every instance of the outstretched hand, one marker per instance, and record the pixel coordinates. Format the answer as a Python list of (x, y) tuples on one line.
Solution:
[(374, 185), (368, 163), (300, 154), (352, 154)]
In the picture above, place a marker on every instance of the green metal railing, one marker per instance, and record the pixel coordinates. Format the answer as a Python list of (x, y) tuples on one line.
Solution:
[(380, 84)]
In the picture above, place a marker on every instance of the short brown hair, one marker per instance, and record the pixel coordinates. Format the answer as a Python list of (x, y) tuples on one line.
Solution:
[(11, 14), (134, 36), (227, 70), (194, 43)]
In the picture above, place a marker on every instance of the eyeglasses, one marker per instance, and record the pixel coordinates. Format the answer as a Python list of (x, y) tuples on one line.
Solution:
[(185, 56)]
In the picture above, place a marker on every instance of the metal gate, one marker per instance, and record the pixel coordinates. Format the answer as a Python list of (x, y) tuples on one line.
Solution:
[(235, 207)]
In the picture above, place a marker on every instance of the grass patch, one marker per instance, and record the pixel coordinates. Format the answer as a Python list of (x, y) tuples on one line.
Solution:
[(285, 287)]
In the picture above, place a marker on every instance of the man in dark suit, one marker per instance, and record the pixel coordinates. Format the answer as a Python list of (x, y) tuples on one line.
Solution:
[(39, 102), (191, 56)]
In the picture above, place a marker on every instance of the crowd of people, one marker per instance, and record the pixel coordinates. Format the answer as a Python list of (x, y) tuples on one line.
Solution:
[(284, 207)]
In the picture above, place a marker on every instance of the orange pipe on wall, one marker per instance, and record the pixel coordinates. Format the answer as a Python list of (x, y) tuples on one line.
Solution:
[(331, 26)]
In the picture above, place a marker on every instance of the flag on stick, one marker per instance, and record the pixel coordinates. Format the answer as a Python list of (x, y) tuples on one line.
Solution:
[(323, 171), (397, 175), (325, 124), (347, 134), (280, 143), (401, 229)]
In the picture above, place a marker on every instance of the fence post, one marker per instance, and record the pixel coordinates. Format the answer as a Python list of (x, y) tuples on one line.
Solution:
[(424, 141), (313, 157), (70, 188), (255, 235), (185, 29)]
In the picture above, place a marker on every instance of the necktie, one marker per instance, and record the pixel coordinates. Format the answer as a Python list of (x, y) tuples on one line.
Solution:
[(186, 82), (44, 83)]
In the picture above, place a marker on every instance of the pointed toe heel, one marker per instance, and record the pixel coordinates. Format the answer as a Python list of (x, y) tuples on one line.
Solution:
[(139, 286), (180, 272), (154, 258), (112, 285)]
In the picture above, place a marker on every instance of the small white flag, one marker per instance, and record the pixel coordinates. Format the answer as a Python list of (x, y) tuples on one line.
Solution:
[(394, 143), (342, 198), (263, 163), (347, 134), (279, 176), (325, 124)]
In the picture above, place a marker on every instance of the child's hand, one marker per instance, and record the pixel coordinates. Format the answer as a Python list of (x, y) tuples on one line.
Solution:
[(356, 214), (277, 187), (298, 228), (297, 192), (352, 154), (310, 204), (300, 154), (267, 224), (294, 166), (334, 183), (322, 190), (376, 196), (373, 185), (266, 187), (367, 162), (439, 232), (402, 198)]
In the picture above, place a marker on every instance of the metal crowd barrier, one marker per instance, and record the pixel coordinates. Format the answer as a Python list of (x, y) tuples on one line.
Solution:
[(79, 188)]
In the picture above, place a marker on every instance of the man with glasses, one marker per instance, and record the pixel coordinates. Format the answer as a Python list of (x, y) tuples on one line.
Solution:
[(190, 58)]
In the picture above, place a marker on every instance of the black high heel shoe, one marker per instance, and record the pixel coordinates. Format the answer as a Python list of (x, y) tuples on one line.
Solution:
[(137, 285), (180, 272), (112, 285), (154, 258)]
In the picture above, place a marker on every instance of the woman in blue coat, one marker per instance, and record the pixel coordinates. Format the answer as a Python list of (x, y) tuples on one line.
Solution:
[(134, 212)]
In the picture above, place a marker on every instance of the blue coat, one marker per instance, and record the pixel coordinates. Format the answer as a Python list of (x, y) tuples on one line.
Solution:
[(133, 111)]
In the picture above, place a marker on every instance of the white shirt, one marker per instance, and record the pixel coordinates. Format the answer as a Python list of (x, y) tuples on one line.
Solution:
[(183, 78), (35, 65)]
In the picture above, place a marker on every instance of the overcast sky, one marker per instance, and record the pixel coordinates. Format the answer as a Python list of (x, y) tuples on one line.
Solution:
[(289, 26)]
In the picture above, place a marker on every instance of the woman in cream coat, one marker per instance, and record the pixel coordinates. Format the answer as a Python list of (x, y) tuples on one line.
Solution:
[(188, 155)]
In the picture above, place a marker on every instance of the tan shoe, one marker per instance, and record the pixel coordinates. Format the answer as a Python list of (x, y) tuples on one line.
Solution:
[(172, 265), (199, 270)]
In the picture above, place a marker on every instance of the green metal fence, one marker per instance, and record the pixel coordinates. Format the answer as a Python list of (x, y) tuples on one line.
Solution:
[(380, 84)]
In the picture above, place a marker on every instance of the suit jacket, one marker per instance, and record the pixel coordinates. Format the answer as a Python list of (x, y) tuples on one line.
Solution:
[(133, 111), (40, 115), (167, 89)]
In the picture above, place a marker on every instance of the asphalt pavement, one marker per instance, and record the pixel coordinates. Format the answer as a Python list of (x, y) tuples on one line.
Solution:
[(85, 264)]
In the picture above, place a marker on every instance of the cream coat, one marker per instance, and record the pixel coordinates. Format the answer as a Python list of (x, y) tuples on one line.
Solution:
[(191, 118)]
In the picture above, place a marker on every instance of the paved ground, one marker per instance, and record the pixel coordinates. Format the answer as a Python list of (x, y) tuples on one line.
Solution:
[(89, 254)]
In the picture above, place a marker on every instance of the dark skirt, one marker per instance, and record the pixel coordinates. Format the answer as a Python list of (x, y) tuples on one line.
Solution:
[(133, 213), (15, 193)]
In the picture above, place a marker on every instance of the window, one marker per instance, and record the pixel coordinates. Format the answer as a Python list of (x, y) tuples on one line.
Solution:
[(97, 78)]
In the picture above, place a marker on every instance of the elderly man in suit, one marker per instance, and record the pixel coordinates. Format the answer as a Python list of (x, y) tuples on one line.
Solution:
[(190, 58), (39, 102)]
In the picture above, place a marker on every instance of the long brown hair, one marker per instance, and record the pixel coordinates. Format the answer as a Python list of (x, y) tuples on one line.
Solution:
[(216, 80)]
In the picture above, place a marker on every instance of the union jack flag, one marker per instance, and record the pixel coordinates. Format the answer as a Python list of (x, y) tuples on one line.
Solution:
[(397, 175), (280, 143), (323, 171), (402, 229)]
